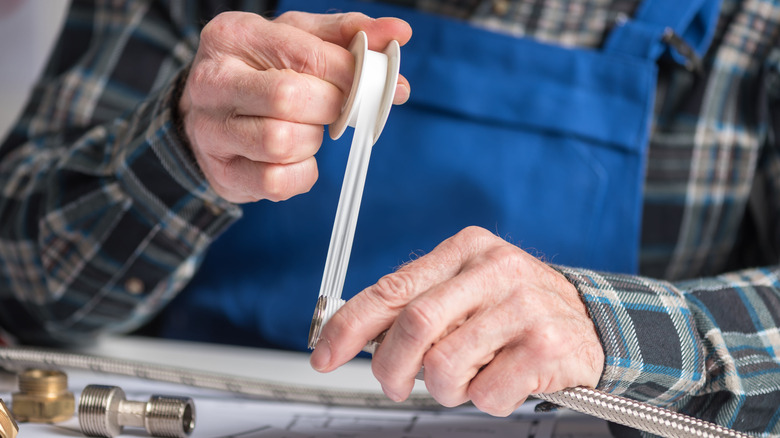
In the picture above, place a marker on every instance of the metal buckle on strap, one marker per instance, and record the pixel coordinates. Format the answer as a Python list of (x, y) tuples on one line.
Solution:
[(692, 60)]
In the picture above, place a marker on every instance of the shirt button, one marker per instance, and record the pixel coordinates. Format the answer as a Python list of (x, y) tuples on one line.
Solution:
[(216, 211), (500, 7), (134, 285)]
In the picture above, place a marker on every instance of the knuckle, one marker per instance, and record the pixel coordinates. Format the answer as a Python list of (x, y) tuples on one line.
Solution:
[(474, 232), (314, 62), (206, 84), (439, 363), (311, 175), (277, 141), (447, 397), (232, 181), (345, 323), (230, 176), (348, 22), (383, 372), (394, 290), (484, 398), (289, 17), (421, 315), (415, 326), (293, 18), (471, 239), (275, 183), (284, 97), (305, 176), (199, 131), (197, 82), (504, 257), (283, 181), (215, 29), (546, 342)]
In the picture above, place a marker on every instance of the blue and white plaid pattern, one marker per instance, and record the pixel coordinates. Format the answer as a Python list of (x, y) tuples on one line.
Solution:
[(104, 215)]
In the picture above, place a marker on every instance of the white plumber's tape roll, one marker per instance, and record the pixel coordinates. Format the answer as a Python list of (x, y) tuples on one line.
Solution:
[(373, 86), (366, 109)]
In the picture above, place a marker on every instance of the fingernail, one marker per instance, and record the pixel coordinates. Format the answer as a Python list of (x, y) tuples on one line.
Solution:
[(320, 358), (402, 93)]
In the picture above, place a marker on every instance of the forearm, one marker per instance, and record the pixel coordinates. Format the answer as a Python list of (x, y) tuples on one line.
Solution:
[(100, 233)]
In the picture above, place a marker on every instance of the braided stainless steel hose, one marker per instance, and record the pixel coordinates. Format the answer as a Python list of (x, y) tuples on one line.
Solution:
[(638, 415), (19, 358), (609, 407)]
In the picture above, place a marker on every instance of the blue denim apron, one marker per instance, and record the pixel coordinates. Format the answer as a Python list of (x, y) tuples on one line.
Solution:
[(541, 144)]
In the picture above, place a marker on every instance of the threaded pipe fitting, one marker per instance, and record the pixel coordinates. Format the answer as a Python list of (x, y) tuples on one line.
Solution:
[(8, 426), (104, 411), (43, 397)]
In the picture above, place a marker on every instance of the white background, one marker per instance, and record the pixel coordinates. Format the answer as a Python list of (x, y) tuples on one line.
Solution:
[(28, 29)]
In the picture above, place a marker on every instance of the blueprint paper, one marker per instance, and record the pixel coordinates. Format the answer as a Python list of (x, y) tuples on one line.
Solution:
[(225, 415)]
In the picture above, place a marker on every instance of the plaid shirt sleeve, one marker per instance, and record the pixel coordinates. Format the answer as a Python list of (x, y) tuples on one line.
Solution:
[(705, 347), (105, 215)]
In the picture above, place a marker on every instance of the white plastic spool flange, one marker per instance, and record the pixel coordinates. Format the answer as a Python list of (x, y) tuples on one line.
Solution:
[(377, 65)]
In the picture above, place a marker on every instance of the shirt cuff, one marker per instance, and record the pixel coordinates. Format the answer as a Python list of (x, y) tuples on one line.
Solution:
[(162, 166), (652, 349)]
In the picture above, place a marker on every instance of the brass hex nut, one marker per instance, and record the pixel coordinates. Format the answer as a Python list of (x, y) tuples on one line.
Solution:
[(8, 427), (43, 397)]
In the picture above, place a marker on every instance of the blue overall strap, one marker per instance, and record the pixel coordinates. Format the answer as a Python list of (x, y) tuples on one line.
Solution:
[(646, 35)]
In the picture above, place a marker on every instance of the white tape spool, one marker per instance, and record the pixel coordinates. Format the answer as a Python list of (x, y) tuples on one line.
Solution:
[(366, 109)]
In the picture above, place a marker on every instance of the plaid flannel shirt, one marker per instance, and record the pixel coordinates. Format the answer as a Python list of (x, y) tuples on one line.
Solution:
[(104, 215)]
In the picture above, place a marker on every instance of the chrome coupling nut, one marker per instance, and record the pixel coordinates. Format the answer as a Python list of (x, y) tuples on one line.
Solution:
[(43, 397), (8, 426), (104, 411)]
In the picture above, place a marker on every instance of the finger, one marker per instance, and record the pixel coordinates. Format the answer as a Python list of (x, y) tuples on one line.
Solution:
[(263, 44), (268, 140), (341, 28), (402, 91), (372, 311), (453, 361), (259, 139), (505, 383), (434, 317), (546, 358), (241, 180), (288, 95), (281, 94)]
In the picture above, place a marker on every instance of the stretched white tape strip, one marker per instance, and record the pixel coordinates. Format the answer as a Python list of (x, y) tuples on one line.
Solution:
[(366, 110)]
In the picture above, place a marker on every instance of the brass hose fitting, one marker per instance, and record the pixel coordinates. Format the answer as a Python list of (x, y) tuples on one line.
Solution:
[(104, 411), (8, 426), (43, 397)]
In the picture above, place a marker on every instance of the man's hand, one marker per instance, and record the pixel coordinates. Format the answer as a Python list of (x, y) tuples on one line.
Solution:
[(489, 322), (259, 93)]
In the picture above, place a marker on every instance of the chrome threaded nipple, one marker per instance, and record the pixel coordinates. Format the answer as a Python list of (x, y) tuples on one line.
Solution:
[(104, 411)]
